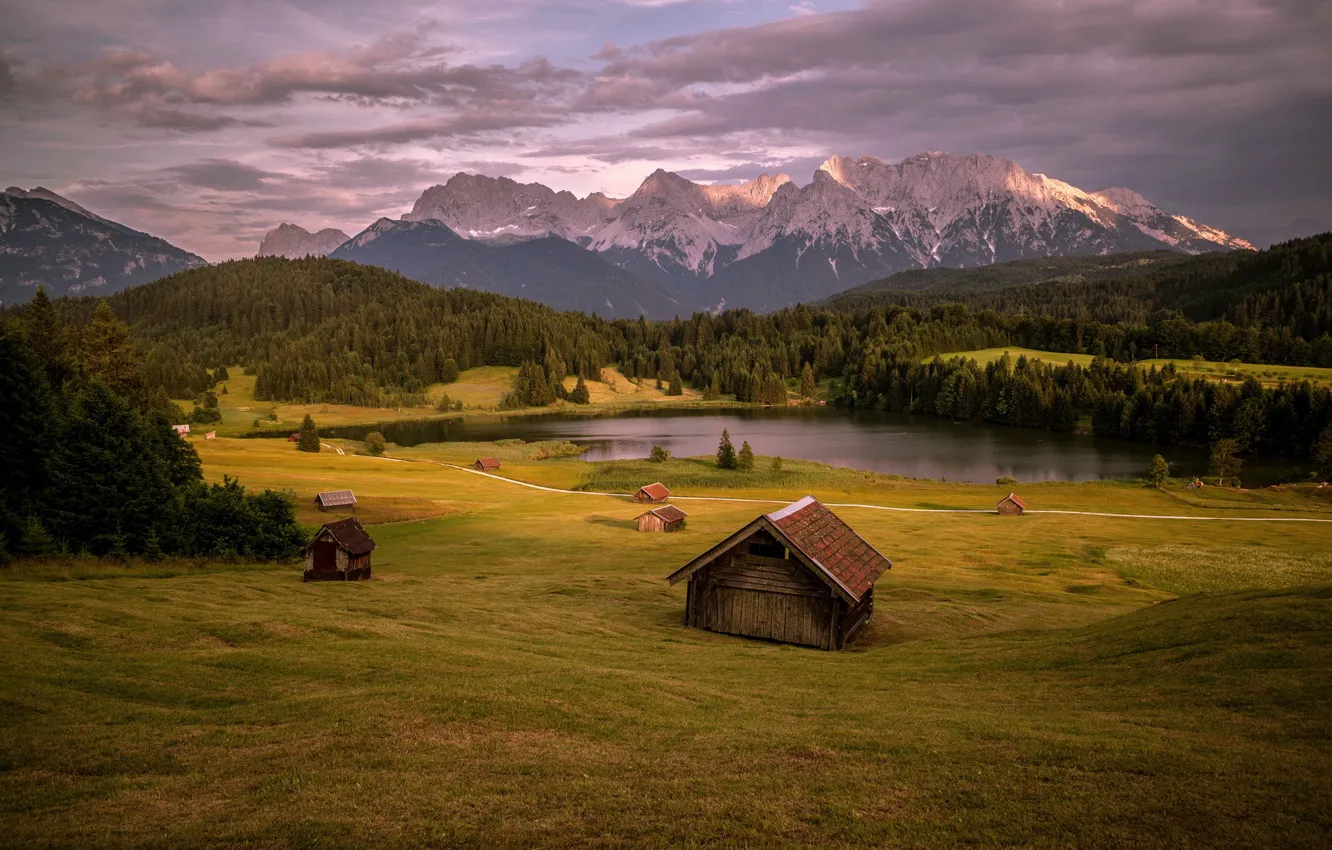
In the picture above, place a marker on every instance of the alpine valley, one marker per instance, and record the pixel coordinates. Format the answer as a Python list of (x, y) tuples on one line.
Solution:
[(675, 246)]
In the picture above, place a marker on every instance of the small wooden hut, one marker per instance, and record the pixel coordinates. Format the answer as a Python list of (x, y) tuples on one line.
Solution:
[(798, 575), (486, 464), (1012, 505), (336, 499), (664, 518), (211, 435), (652, 494), (181, 429), (340, 551)]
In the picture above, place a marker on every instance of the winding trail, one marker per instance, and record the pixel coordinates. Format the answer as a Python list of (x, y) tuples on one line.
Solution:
[(674, 498)]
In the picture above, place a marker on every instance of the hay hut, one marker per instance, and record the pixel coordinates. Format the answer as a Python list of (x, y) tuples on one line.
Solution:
[(486, 464), (665, 518), (652, 494), (336, 499), (340, 551), (1012, 505), (797, 575)]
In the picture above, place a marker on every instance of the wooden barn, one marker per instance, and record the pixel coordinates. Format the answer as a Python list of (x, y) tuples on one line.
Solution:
[(798, 575), (653, 494), (664, 518), (336, 499), (181, 429), (486, 464), (340, 551), (1012, 505)]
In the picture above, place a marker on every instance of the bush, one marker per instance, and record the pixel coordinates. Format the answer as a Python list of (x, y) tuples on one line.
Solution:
[(444, 404), (777, 464), (374, 443), (1159, 471), (1005, 481), (659, 455)]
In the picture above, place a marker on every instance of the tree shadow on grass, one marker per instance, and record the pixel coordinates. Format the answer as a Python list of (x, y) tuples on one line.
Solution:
[(612, 522)]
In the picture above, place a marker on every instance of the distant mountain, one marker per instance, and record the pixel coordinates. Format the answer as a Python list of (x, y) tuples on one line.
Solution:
[(770, 243), (294, 242), (49, 240), (548, 269)]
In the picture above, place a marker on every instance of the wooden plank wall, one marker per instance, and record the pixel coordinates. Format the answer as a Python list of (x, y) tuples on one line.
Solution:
[(755, 596)]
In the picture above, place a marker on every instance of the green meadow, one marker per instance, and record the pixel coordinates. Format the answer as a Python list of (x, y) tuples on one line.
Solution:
[(516, 672), (1235, 371)]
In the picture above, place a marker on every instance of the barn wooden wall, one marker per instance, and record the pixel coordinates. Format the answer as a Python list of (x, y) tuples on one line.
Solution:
[(763, 597)]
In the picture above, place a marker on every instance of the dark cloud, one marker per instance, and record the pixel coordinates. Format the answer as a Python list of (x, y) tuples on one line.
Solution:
[(222, 174), (445, 127)]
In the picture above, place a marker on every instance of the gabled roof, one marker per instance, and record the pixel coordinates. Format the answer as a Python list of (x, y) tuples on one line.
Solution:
[(818, 538), (488, 462), (334, 498), (1015, 499), (669, 513), (656, 491), (349, 534)]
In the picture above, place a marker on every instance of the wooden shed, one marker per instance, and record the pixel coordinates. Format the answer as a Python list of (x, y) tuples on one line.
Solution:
[(181, 429), (340, 551), (1012, 505), (336, 499), (653, 494), (486, 464), (664, 518), (798, 575)]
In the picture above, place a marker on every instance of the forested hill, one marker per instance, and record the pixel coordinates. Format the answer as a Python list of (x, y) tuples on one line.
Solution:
[(1286, 287)]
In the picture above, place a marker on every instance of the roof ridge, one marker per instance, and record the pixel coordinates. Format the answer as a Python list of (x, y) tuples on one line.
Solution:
[(783, 513)]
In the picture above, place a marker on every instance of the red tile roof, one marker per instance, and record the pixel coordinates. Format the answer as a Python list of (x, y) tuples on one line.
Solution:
[(823, 538), (669, 513), (656, 492), (1013, 497), (488, 462)]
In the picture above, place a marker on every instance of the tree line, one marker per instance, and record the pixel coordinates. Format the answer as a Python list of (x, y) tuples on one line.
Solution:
[(92, 464)]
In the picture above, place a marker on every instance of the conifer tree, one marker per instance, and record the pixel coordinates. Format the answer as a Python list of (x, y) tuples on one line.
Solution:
[(777, 463), (108, 354), (807, 383), (1159, 471), (745, 461), (580, 394), (725, 452), (308, 441), (676, 387)]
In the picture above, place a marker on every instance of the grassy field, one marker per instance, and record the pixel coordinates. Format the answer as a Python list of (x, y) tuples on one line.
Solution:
[(1267, 374), (480, 390), (516, 674)]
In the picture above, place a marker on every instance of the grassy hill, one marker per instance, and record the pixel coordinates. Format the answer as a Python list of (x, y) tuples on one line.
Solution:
[(516, 674)]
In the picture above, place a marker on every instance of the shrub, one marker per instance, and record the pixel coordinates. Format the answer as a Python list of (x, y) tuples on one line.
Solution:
[(777, 464), (1005, 481), (374, 443), (659, 455), (1159, 471)]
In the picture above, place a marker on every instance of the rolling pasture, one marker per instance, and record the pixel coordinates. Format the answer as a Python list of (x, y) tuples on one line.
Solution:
[(516, 673), (1266, 373)]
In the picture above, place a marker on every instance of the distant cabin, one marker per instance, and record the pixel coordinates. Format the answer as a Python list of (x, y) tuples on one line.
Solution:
[(335, 499), (1012, 505), (486, 464), (653, 494), (211, 435), (798, 575), (664, 518), (181, 429), (340, 551)]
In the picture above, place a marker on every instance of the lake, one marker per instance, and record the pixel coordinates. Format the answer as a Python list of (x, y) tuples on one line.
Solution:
[(913, 446)]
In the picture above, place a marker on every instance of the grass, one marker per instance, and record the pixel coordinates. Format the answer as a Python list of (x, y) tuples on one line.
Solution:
[(516, 674), (1234, 371)]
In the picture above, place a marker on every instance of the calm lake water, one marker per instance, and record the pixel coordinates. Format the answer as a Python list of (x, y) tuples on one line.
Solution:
[(914, 446)]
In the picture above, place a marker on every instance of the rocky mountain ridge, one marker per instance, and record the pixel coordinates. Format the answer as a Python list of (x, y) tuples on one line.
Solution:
[(293, 242)]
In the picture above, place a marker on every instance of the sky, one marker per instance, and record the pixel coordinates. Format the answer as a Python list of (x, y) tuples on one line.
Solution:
[(208, 122)]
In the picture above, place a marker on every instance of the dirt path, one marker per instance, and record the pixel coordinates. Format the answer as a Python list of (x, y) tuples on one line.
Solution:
[(877, 507)]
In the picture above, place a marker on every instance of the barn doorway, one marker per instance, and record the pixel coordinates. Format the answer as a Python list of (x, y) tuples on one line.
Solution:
[(325, 557)]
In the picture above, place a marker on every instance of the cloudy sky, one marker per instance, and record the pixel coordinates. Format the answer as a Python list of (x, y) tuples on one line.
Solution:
[(207, 122)]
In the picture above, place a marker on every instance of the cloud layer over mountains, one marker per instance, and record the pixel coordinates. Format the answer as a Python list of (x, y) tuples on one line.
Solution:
[(207, 126)]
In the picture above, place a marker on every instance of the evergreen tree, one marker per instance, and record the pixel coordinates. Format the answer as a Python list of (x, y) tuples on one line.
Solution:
[(725, 452), (745, 460), (1322, 455), (1159, 471), (449, 372), (308, 441), (444, 404), (777, 464), (374, 443), (109, 355), (713, 392), (675, 387), (807, 383), (580, 394), (221, 374)]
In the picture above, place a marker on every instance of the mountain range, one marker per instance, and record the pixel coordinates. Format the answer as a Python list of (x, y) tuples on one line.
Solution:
[(50, 240), (671, 247)]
